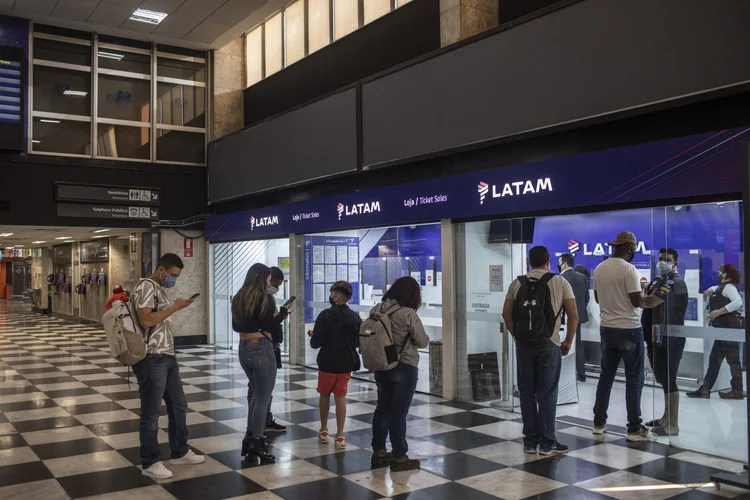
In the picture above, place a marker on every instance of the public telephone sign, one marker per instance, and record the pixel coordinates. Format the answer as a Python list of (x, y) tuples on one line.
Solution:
[(110, 194)]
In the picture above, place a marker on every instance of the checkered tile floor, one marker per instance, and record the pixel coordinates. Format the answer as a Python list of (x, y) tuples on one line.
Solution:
[(69, 429)]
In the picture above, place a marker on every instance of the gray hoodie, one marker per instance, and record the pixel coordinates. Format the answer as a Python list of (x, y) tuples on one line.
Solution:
[(405, 323)]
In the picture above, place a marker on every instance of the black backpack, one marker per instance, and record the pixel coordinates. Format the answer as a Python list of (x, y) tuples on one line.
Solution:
[(533, 316)]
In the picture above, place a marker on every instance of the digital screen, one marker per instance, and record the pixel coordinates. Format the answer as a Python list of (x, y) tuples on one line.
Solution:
[(692, 310), (10, 92)]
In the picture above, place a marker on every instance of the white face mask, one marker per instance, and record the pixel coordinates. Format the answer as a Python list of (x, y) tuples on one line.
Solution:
[(273, 290), (664, 268)]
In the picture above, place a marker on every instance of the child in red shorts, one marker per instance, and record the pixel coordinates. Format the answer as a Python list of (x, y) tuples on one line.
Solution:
[(336, 334)]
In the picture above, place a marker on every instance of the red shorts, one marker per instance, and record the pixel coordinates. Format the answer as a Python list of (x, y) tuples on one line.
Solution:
[(336, 383)]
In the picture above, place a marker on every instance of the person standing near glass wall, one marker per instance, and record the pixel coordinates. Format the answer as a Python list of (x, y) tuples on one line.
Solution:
[(277, 279), (665, 303), (725, 304), (396, 387), (254, 318), (580, 285)]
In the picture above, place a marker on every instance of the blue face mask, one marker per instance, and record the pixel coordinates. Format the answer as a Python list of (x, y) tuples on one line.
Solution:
[(169, 281)]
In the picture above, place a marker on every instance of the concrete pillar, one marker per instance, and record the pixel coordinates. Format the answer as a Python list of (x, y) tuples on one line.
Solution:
[(229, 82), (460, 19)]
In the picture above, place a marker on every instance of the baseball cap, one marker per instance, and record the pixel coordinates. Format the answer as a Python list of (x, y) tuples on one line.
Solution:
[(625, 237), (344, 288)]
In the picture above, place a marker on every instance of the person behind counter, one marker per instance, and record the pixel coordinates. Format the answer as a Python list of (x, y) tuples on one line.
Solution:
[(253, 316), (580, 284), (665, 303), (724, 304)]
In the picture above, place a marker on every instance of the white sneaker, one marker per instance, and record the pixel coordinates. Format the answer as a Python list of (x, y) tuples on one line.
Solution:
[(189, 459), (599, 431), (157, 471), (323, 437), (340, 443)]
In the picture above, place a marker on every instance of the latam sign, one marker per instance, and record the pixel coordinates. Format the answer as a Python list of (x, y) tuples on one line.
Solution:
[(263, 221), (517, 188), (358, 208)]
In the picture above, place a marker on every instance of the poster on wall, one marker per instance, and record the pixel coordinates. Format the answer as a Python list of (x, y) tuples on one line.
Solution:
[(95, 251), (62, 254), (496, 278), (133, 247), (328, 259)]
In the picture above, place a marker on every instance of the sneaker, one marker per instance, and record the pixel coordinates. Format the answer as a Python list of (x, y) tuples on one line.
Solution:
[(599, 430), (529, 450), (638, 435), (557, 449), (190, 458), (157, 471), (732, 395), (273, 426), (404, 463), (340, 443), (323, 437), (380, 458)]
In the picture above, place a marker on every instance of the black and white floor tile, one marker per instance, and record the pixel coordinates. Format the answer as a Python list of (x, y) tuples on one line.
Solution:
[(69, 429)]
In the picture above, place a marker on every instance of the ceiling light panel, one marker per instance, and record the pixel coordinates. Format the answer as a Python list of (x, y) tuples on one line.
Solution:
[(148, 16)]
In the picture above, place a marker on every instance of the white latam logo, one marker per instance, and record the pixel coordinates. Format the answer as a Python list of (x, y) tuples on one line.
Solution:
[(604, 249), (517, 188), (263, 221), (358, 208)]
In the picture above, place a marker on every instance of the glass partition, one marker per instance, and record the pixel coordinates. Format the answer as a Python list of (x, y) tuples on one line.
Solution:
[(371, 260), (685, 349)]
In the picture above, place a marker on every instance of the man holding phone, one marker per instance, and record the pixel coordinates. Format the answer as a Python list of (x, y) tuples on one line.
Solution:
[(159, 374)]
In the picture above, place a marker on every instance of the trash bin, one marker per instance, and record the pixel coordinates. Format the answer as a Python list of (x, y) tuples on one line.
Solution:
[(436, 367)]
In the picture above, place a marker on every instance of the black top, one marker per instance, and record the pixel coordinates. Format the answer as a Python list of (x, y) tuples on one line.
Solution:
[(673, 290), (336, 333), (258, 322), (716, 302), (277, 333)]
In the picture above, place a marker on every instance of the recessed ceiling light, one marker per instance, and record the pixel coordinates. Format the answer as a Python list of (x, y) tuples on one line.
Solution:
[(102, 230), (64, 238), (100, 236), (148, 16), (44, 120), (111, 55), (5, 235), (76, 93), (36, 142), (18, 246), (38, 242)]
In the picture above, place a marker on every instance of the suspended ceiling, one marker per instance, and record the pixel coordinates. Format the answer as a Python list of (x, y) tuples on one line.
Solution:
[(200, 24), (24, 236)]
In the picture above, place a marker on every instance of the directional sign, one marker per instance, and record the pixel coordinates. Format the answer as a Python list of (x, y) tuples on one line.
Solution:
[(107, 211), (110, 194)]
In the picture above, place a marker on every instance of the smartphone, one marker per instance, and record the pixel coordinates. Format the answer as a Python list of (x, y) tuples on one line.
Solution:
[(290, 301), (195, 296)]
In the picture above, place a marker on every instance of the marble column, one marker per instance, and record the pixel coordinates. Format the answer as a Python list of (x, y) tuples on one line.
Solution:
[(460, 19), (229, 82)]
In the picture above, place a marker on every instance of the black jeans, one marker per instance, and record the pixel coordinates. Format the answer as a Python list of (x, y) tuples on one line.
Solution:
[(664, 359), (159, 378), (580, 354), (538, 379), (395, 391), (729, 350), (626, 345)]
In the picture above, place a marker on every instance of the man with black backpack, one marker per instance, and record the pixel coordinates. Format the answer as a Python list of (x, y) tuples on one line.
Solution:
[(533, 315)]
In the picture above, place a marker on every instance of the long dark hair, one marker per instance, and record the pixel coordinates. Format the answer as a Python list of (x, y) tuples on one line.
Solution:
[(733, 274), (582, 269), (253, 296), (406, 291)]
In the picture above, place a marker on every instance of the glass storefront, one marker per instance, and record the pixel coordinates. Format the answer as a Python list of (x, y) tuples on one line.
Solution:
[(490, 254), (371, 260)]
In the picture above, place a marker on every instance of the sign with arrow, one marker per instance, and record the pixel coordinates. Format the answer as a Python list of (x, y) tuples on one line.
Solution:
[(110, 194)]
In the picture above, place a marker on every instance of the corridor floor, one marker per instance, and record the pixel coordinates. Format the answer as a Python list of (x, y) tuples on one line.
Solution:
[(69, 429)]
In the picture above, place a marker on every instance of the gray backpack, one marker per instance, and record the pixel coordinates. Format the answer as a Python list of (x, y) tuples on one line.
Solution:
[(379, 352)]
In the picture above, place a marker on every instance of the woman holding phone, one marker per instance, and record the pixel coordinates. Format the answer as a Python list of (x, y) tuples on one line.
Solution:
[(254, 318)]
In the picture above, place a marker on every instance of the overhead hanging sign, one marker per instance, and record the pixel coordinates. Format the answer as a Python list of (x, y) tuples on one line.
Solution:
[(107, 211), (111, 194)]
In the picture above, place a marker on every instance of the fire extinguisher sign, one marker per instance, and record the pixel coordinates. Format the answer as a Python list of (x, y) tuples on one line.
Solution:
[(188, 247)]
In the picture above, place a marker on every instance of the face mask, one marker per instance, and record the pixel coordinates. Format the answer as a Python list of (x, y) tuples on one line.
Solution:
[(559, 267), (631, 254), (664, 268), (169, 282), (273, 290), (333, 303)]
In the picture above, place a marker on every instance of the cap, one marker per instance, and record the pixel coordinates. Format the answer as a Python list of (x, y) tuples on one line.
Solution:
[(624, 238), (344, 288)]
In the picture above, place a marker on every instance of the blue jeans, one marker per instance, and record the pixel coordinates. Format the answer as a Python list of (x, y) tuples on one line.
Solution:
[(538, 379), (626, 345), (395, 391), (159, 378), (259, 362)]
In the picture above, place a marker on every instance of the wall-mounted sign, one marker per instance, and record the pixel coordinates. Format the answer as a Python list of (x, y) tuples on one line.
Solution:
[(107, 211), (635, 174), (187, 246), (62, 254), (95, 251), (110, 194)]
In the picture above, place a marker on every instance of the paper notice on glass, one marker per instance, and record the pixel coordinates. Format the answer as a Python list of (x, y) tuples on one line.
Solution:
[(417, 275), (318, 254), (439, 279), (319, 293), (353, 274), (342, 273), (319, 274), (496, 278), (353, 255), (330, 274), (330, 255), (428, 278), (693, 281), (342, 255)]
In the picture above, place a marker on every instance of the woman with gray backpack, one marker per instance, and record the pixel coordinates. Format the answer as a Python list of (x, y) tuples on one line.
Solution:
[(389, 339)]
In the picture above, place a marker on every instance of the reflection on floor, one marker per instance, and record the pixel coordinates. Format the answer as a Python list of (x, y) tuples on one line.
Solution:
[(69, 421)]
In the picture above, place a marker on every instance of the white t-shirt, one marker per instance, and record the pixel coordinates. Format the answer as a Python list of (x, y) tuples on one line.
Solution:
[(614, 279), (559, 290)]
